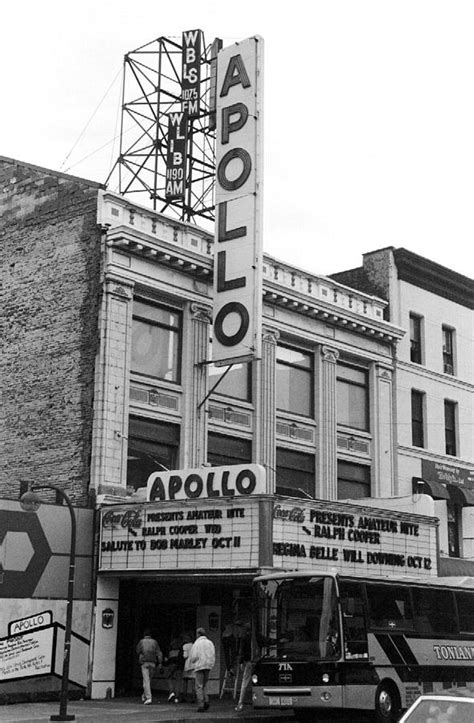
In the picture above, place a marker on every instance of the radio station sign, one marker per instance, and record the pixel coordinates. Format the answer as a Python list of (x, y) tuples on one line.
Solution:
[(239, 177), (176, 156), (353, 540), (191, 73), (220, 534), (207, 482)]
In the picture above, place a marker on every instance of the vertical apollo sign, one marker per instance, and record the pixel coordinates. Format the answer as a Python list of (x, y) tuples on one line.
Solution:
[(239, 190)]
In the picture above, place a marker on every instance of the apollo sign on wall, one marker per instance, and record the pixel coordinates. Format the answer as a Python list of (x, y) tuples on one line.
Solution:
[(239, 190)]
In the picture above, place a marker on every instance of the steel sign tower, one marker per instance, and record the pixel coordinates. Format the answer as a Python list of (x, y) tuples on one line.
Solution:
[(167, 134)]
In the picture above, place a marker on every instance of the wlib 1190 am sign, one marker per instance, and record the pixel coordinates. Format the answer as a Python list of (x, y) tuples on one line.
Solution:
[(238, 242)]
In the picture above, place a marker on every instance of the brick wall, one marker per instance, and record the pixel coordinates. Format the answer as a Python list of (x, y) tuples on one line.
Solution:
[(50, 259)]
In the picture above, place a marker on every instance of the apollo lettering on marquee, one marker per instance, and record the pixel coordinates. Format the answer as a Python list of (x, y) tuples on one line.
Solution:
[(238, 237), (207, 482)]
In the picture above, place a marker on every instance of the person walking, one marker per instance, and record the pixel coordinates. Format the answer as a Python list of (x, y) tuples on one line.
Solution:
[(245, 660), (149, 654), (202, 658)]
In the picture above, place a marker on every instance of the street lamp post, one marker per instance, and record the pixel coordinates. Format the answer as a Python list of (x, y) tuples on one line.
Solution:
[(30, 502)]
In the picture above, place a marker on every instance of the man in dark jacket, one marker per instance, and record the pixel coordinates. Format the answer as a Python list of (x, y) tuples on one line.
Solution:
[(149, 654)]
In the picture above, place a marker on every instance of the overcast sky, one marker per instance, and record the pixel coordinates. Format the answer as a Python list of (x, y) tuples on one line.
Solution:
[(369, 111)]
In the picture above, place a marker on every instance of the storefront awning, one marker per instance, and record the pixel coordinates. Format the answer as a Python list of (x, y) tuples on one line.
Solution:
[(436, 490), (461, 495)]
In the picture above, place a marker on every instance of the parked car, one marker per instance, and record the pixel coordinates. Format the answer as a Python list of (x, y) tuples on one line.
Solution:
[(455, 707)]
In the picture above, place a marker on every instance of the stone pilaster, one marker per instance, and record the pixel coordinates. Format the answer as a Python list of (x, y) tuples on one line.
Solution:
[(111, 392), (195, 414), (383, 484), (327, 483), (265, 407)]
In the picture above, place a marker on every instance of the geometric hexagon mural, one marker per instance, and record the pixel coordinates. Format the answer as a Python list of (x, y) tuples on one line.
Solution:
[(22, 565)]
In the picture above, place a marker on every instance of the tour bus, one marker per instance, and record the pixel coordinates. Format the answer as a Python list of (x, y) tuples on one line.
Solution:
[(327, 641)]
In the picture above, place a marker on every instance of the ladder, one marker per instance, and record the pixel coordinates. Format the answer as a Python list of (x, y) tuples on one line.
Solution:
[(231, 681)]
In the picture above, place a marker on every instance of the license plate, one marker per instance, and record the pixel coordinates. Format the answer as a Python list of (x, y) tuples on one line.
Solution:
[(281, 700)]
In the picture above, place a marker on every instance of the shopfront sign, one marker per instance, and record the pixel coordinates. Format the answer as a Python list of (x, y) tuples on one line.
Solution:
[(207, 482), (447, 473), (207, 535), (238, 242), (353, 540)]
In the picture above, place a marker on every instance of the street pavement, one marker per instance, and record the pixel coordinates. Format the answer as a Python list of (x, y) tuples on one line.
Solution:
[(129, 710)]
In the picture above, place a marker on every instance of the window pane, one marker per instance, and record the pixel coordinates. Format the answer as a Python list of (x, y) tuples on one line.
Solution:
[(352, 397), (236, 383), (434, 611), (155, 351), (294, 357), (294, 473), (151, 446), (353, 481), (223, 450), (448, 356), (390, 607), (450, 426), (294, 390), (417, 426), (415, 338)]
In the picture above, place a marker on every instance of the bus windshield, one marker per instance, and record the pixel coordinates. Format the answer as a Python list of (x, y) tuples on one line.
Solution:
[(298, 617)]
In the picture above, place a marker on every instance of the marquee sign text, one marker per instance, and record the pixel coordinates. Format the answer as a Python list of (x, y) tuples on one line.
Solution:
[(353, 541)]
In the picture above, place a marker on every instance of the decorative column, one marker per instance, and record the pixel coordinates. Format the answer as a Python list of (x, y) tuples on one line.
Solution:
[(265, 407), (383, 484), (111, 388), (195, 423), (328, 425)]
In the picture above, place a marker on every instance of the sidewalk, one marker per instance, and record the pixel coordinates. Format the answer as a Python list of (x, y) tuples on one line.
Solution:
[(131, 710)]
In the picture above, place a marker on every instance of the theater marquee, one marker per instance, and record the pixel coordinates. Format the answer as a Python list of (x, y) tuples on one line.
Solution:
[(189, 536), (353, 540)]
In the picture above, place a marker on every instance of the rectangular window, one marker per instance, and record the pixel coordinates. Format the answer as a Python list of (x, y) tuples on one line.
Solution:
[(390, 607), (152, 446), (294, 473), (224, 450), (294, 381), (234, 383), (156, 341), (353, 481), (352, 397), (417, 419), (434, 611), (448, 350), (454, 528), (415, 339), (450, 426)]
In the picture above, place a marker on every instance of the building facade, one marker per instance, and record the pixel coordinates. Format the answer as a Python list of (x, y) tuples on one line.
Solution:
[(198, 476), (435, 391)]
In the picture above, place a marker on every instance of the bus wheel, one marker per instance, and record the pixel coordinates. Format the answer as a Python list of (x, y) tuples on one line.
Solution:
[(387, 703)]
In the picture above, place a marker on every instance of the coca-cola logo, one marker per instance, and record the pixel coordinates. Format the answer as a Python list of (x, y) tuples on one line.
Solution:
[(295, 514), (128, 519)]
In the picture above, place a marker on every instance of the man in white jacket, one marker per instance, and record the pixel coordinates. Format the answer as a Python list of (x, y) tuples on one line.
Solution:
[(202, 658)]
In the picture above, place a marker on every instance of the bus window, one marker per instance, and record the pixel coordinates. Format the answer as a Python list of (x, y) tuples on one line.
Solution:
[(465, 605), (354, 622), (390, 607), (434, 611), (298, 617)]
